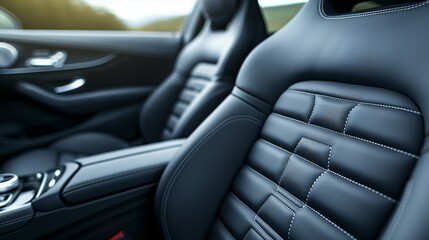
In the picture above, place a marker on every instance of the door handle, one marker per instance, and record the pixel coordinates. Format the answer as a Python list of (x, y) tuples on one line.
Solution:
[(55, 60), (75, 84)]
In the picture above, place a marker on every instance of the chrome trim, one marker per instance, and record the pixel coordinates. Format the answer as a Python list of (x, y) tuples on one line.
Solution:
[(13, 55), (7, 201), (42, 185), (56, 60), (69, 66), (8, 185), (75, 84)]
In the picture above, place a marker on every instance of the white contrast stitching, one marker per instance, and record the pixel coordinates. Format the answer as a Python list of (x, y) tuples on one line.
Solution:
[(339, 175), (16, 220), (284, 170), (363, 186), (320, 176), (290, 225), (314, 107), (351, 136), (312, 185), (329, 221), (329, 157), (304, 205), (326, 145), (348, 115), (98, 182), (370, 13), (359, 102)]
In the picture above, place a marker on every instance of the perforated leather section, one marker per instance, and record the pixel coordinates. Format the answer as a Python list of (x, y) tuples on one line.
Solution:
[(331, 163), (194, 86)]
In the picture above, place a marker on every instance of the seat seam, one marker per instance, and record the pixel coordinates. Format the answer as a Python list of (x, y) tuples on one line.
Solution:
[(278, 199), (260, 174), (300, 201), (223, 225), (314, 108), (351, 136), (370, 13), (329, 221), (324, 144), (395, 222), (304, 205), (276, 185), (339, 175), (256, 214), (16, 220), (241, 201), (312, 185), (348, 116), (189, 156), (360, 102), (293, 214), (290, 225), (255, 232), (266, 225), (102, 181), (320, 176), (260, 228)]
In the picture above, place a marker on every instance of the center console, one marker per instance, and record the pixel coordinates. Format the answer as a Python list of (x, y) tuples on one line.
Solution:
[(41, 203)]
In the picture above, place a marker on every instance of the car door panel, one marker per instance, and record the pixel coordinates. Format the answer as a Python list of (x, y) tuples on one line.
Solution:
[(118, 70)]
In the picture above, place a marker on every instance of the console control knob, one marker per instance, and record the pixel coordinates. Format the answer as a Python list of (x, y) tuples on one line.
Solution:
[(8, 182)]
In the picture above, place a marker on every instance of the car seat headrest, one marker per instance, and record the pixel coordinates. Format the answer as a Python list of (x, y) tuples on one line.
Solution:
[(219, 12)]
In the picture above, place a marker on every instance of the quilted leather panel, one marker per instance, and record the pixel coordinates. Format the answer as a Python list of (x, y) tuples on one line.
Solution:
[(326, 165), (197, 81)]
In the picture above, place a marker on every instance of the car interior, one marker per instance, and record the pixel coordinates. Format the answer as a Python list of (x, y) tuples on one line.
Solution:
[(231, 128)]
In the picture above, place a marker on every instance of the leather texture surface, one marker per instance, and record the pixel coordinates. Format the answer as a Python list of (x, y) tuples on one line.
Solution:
[(318, 167), (13, 220), (204, 75), (119, 171), (323, 137), (206, 67), (65, 150)]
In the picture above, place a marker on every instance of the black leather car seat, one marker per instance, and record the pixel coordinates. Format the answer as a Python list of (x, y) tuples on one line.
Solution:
[(204, 75), (323, 137)]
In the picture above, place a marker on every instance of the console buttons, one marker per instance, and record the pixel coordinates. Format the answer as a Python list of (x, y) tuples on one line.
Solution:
[(57, 173), (39, 176), (52, 183)]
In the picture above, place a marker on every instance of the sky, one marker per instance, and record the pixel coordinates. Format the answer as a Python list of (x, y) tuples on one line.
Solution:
[(138, 12)]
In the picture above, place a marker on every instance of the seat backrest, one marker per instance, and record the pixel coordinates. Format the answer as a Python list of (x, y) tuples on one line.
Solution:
[(205, 70), (323, 137)]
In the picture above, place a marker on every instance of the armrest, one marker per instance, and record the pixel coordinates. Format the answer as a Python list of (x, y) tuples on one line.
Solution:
[(123, 180), (118, 171)]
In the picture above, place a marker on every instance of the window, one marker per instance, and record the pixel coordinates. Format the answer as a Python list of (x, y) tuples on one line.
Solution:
[(129, 15), (278, 13)]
